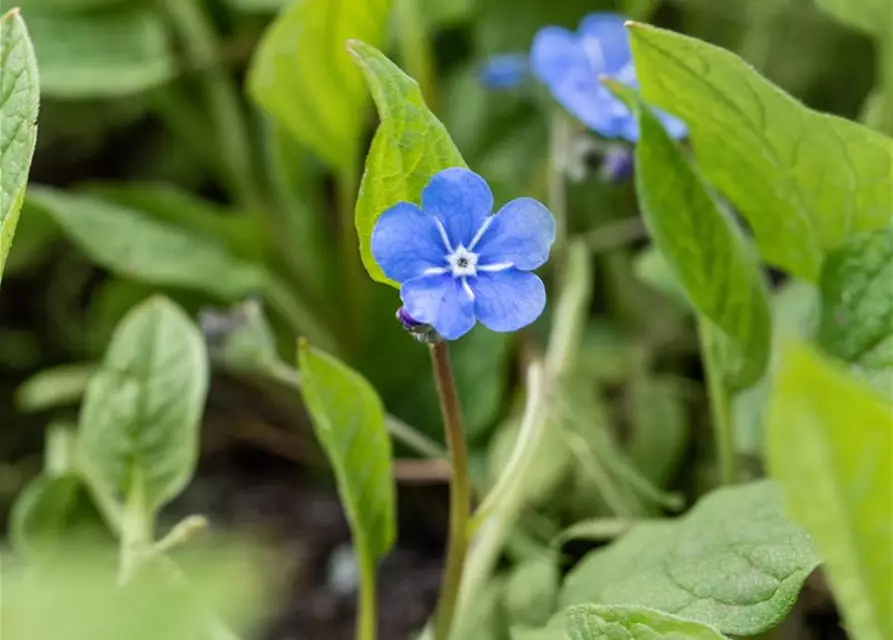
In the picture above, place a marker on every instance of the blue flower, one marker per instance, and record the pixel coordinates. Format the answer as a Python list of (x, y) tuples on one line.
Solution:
[(504, 71), (456, 263), (572, 65)]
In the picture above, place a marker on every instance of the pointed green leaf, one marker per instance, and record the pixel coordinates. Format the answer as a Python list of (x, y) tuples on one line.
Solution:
[(132, 244), (410, 146), (303, 76), (857, 306), (871, 16), (703, 247), (142, 410), (830, 446), (348, 418), (19, 101), (805, 181), (592, 622), (734, 562)]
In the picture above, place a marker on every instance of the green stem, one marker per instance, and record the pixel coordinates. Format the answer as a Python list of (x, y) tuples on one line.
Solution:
[(559, 138), (415, 49), (200, 42), (367, 614), (350, 267), (720, 407), (137, 531), (460, 491)]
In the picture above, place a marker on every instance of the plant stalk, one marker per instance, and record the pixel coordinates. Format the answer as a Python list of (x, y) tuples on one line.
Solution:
[(460, 491), (367, 614), (720, 405), (351, 268), (415, 49), (137, 531)]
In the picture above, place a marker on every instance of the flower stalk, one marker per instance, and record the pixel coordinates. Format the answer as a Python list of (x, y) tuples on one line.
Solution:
[(460, 490)]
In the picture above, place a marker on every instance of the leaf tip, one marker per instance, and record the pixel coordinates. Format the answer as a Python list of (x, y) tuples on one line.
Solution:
[(15, 12)]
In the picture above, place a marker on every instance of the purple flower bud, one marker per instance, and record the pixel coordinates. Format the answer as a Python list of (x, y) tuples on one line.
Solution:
[(420, 331), (617, 164)]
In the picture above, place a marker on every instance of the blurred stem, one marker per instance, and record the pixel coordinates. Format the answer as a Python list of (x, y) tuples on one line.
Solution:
[(367, 625), (203, 51), (720, 406), (301, 320), (559, 139), (415, 49), (137, 530), (350, 267), (460, 490)]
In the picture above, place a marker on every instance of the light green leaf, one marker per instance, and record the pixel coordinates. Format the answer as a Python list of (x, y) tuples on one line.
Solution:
[(19, 101), (805, 181), (704, 249), (133, 245), (830, 446), (871, 16), (104, 53), (531, 591), (633, 623), (303, 76), (54, 387), (734, 562), (142, 411), (410, 146), (857, 306), (349, 421)]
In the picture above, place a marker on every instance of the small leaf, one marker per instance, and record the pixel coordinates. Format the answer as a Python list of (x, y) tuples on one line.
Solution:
[(593, 622), (142, 411), (45, 512), (734, 562), (830, 446), (348, 418), (805, 181), (54, 387), (857, 306), (410, 146), (19, 101), (302, 75), (103, 53), (704, 249), (871, 16), (133, 245)]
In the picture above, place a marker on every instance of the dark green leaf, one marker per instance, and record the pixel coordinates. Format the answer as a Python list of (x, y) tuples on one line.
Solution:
[(734, 562), (142, 411), (19, 101), (131, 244), (805, 181), (872, 16), (704, 249), (593, 622), (302, 75), (857, 306), (410, 146), (830, 446), (349, 421)]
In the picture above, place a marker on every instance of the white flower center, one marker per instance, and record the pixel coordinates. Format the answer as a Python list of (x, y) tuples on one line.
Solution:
[(462, 262)]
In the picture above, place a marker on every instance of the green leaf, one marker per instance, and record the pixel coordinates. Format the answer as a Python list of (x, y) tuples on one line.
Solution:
[(857, 306), (104, 53), (704, 249), (830, 446), (302, 75), (410, 146), (734, 562), (871, 16), (142, 411), (258, 6), (633, 623), (54, 387), (348, 418), (44, 512), (805, 181), (531, 591), (131, 244), (19, 101), (65, 5)]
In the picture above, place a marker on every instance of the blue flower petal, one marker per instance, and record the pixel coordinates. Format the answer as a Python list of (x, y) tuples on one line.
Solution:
[(521, 233), (505, 71), (406, 241), (440, 301), (508, 300), (612, 38), (461, 200), (674, 126)]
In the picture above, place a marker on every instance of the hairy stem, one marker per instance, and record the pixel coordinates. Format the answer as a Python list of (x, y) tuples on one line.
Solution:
[(460, 491)]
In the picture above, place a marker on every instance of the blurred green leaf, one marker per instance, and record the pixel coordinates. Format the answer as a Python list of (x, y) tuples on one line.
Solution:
[(348, 418), (805, 181), (531, 591), (734, 562), (704, 249), (830, 446), (54, 387), (593, 622), (871, 16), (102, 53), (857, 306), (45, 513), (652, 267), (258, 6), (131, 244), (19, 101), (65, 5), (660, 427), (302, 75), (142, 411), (35, 236), (410, 146)]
